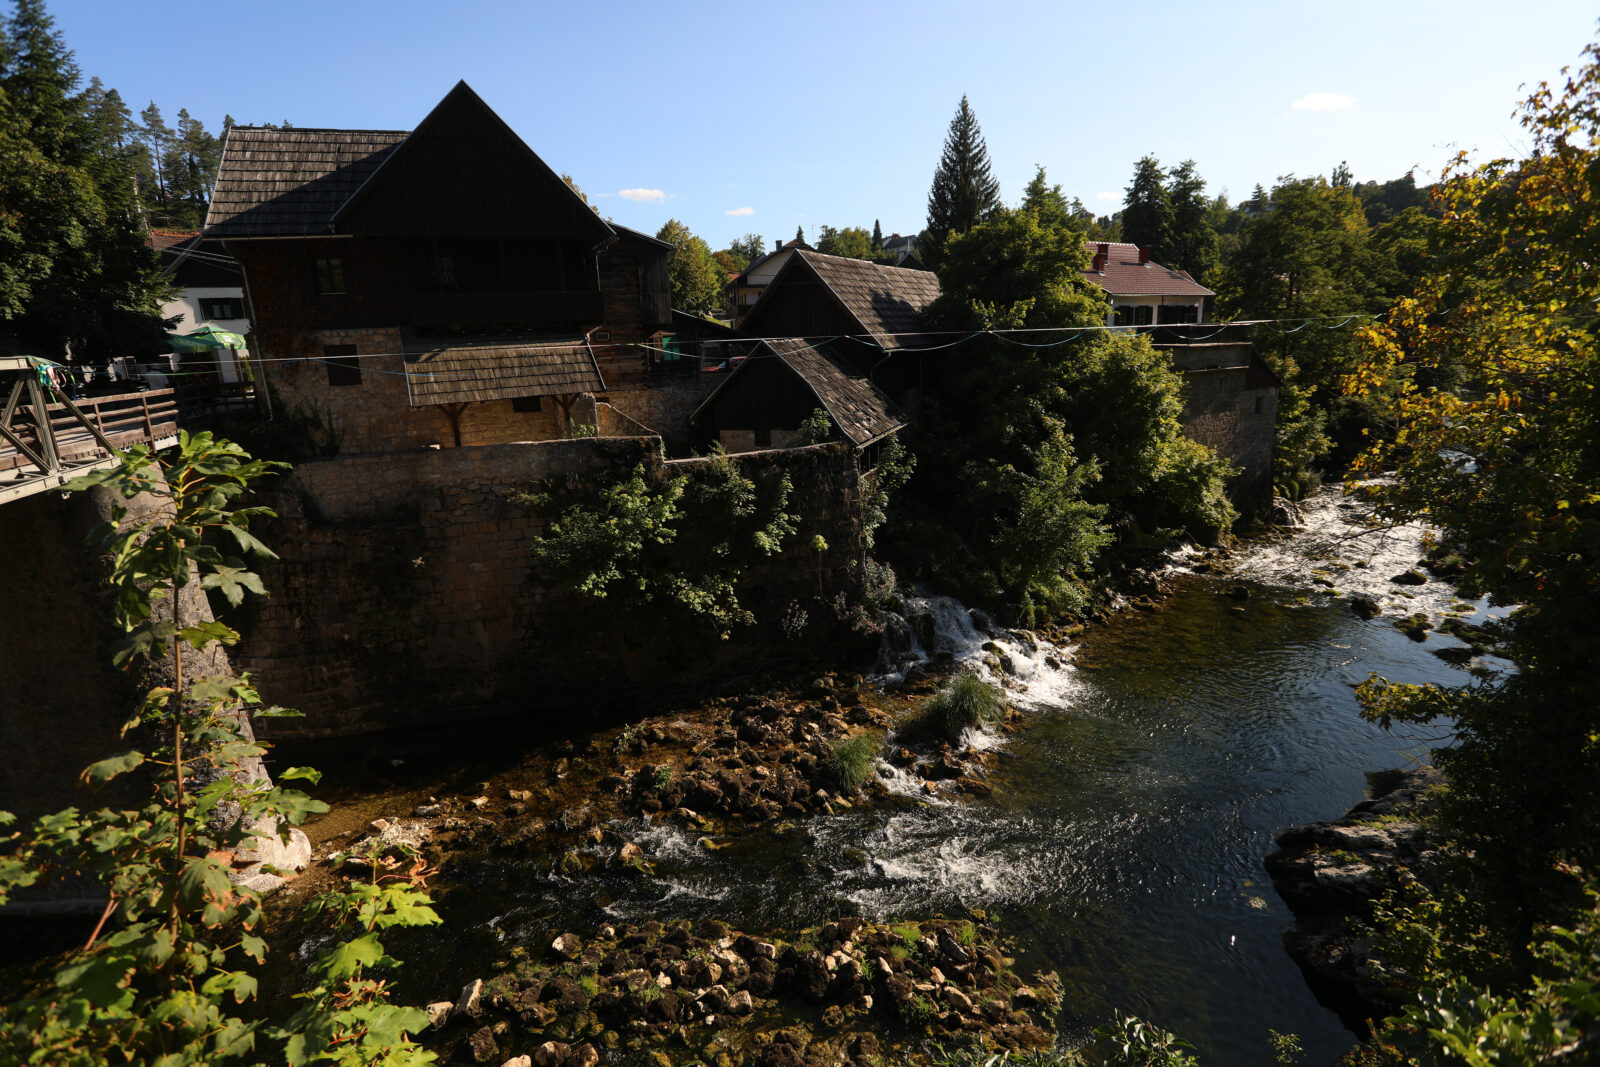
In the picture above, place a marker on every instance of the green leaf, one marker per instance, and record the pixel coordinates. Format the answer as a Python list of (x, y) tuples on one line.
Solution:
[(98, 774), (233, 582), (254, 947), (347, 960), (310, 774), (248, 542), (202, 634)]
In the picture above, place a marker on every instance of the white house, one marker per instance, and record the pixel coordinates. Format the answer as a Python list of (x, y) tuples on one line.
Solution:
[(210, 292), (1142, 292)]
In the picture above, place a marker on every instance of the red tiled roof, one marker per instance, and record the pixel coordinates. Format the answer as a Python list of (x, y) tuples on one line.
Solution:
[(1124, 275), (161, 240)]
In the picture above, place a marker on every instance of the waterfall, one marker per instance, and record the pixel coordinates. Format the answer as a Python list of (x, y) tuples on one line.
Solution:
[(940, 631)]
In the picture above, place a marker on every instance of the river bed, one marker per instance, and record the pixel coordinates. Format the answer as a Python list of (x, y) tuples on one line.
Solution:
[(1133, 801)]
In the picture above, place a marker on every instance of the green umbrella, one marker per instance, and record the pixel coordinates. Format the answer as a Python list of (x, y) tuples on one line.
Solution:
[(177, 342), (207, 338)]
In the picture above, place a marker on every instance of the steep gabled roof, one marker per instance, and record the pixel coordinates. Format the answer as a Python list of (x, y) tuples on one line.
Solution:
[(861, 410), (461, 172), (887, 302), (279, 183), (1124, 275)]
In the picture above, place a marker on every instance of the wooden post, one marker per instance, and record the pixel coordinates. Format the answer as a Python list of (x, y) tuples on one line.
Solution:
[(453, 413)]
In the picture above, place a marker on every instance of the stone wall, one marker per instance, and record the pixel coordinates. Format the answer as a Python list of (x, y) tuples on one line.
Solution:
[(1230, 403), (404, 594), (665, 405)]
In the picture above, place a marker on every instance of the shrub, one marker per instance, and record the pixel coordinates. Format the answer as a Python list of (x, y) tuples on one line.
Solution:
[(960, 706), (851, 761)]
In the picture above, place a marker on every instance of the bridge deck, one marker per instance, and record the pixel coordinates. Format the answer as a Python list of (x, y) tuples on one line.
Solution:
[(44, 444)]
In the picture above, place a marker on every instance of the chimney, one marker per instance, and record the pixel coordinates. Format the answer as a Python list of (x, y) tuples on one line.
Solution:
[(1101, 252), (1144, 254)]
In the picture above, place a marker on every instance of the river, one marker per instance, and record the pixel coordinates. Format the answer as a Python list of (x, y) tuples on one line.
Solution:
[(1152, 768)]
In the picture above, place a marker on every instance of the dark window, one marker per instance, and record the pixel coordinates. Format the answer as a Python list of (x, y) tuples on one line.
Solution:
[(1124, 316), (1258, 405), (343, 366), (525, 403), (1141, 315), (1179, 313), (330, 275), (220, 307), (763, 438)]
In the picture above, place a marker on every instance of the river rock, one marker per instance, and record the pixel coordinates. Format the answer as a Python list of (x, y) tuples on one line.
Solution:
[(567, 946), (518, 1061), (439, 1012), (483, 1045), (1365, 607), (551, 1054), (1330, 874), (1410, 577), (470, 1002)]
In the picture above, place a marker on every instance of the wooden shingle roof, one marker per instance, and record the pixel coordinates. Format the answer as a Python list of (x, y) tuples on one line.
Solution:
[(458, 371), (861, 410), (887, 301), (281, 183)]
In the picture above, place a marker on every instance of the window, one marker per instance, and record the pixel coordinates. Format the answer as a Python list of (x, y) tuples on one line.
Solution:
[(763, 438), (1179, 313), (221, 307), (343, 366), (330, 275), (1258, 405), (525, 403)]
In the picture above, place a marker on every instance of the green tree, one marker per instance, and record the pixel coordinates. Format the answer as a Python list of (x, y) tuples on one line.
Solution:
[(1193, 246), (1048, 202), (800, 234), (76, 271), (1493, 369), (1147, 211), (1017, 269), (696, 281), (877, 236), (1308, 258), (964, 191), (750, 247), (852, 242)]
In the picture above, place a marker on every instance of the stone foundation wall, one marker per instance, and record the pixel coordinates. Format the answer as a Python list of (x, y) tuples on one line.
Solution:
[(404, 594), (1231, 406)]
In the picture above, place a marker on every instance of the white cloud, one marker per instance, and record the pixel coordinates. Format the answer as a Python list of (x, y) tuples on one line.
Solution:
[(741, 211), (643, 196), (1108, 196), (1323, 102)]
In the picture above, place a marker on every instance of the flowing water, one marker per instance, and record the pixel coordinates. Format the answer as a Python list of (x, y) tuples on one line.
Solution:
[(1123, 845)]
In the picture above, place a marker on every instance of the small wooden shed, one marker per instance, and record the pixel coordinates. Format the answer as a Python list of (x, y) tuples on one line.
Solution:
[(779, 385)]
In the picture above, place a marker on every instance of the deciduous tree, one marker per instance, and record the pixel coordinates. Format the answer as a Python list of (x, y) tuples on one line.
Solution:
[(696, 281)]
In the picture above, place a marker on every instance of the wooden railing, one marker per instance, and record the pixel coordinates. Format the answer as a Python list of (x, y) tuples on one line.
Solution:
[(125, 419)]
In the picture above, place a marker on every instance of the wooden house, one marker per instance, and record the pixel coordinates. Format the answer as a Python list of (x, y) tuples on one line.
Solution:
[(745, 288), (436, 286), (871, 310), (779, 385)]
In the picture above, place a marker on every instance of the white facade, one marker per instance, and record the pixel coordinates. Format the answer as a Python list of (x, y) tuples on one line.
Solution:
[(201, 306)]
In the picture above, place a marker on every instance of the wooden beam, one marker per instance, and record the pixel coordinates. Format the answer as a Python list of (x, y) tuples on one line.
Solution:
[(453, 413)]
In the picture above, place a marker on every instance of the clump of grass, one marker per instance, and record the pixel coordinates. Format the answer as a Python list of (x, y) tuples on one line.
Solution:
[(961, 705), (908, 934), (967, 934), (851, 761)]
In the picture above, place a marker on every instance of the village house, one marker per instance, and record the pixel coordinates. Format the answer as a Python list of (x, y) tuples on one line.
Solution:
[(1142, 292), (871, 315), (442, 286), (746, 287), (210, 291), (780, 384)]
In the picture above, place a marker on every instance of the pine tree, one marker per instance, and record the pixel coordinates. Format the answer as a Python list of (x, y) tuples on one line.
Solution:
[(800, 234), (964, 192), (1194, 240), (877, 236), (76, 275), (1147, 215)]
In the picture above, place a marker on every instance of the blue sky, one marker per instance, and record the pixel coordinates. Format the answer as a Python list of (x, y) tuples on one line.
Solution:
[(757, 117)]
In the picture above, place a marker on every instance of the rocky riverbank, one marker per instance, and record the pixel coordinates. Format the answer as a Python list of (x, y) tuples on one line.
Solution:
[(1331, 873), (848, 993)]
